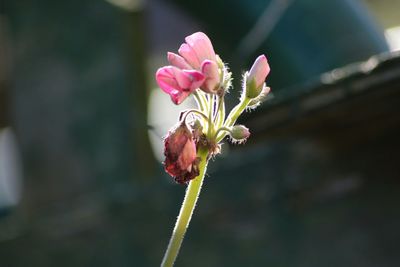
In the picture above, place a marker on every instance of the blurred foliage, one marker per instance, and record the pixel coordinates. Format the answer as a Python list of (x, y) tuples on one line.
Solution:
[(310, 37)]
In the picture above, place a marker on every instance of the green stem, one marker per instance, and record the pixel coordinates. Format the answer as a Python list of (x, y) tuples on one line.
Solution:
[(210, 123), (220, 116), (199, 100), (196, 112), (233, 116), (235, 113), (185, 214), (222, 129)]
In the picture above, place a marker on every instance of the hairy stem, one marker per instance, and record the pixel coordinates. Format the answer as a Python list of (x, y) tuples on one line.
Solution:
[(195, 111), (233, 116), (185, 214)]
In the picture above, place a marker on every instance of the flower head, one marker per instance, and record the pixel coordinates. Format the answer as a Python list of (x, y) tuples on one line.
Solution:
[(195, 67), (180, 154)]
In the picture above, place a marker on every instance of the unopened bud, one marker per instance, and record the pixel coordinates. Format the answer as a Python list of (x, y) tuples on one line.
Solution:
[(256, 76), (239, 133)]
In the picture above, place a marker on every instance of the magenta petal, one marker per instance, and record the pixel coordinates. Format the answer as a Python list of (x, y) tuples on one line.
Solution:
[(166, 79), (183, 79), (178, 96), (178, 83), (189, 55), (202, 46), (259, 71), (210, 70), (178, 61), (197, 79)]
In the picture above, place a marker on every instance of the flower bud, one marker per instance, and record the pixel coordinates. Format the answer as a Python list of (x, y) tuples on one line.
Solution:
[(239, 133), (180, 154), (256, 76)]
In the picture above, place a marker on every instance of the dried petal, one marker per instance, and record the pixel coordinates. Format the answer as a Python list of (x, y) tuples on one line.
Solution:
[(180, 154)]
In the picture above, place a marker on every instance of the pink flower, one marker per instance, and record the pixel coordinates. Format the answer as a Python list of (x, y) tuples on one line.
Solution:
[(256, 76), (178, 83), (180, 154), (198, 54)]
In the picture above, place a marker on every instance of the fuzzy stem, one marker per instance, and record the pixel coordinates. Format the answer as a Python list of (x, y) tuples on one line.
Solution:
[(233, 116), (235, 113), (222, 129), (195, 111), (185, 214)]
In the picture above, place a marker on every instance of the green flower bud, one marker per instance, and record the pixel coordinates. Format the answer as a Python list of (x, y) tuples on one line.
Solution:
[(239, 133), (254, 79)]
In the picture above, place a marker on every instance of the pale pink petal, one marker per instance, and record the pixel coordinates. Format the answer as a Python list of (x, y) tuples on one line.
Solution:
[(210, 70), (178, 61), (202, 46), (189, 55), (259, 71)]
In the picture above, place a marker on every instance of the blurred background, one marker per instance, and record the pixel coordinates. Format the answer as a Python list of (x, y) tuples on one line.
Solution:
[(82, 121)]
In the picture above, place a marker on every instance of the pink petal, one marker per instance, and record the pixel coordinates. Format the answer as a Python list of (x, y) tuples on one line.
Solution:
[(189, 55), (178, 61), (197, 79), (178, 96), (183, 79), (202, 46), (166, 79), (259, 71), (178, 83), (210, 70)]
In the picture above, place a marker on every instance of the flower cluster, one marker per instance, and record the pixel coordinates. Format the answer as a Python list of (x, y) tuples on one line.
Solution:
[(198, 71)]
